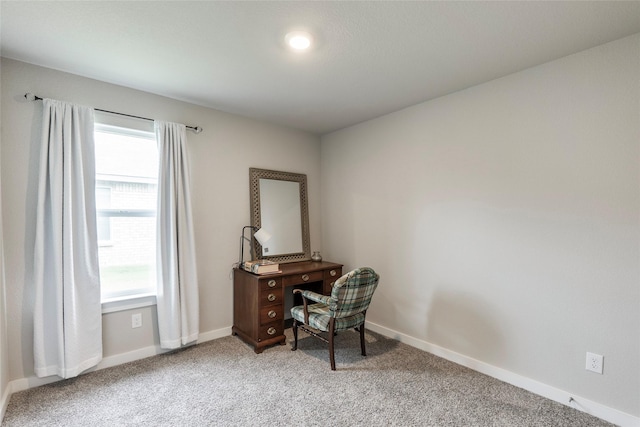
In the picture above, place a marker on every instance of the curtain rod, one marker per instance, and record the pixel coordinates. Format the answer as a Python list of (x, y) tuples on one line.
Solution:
[(31, 97)]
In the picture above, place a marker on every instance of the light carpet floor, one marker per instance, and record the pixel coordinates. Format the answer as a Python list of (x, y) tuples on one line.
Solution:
[(224, 383)]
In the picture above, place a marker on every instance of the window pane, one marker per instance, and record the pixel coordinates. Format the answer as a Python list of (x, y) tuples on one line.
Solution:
[(127, 265), (126, 181)]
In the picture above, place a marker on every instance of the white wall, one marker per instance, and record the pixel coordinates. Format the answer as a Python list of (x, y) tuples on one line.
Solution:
[(220, 160), (504, 220)]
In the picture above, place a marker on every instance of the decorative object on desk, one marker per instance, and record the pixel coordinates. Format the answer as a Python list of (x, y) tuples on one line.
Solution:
[(261, 266), (316, 256), (261, 235)]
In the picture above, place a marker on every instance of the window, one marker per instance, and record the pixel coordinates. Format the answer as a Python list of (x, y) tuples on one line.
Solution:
[(126, 194)]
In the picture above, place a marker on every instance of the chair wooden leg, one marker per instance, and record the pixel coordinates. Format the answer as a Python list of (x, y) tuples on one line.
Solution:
[(295, 335), (364, 351), (332, 358)]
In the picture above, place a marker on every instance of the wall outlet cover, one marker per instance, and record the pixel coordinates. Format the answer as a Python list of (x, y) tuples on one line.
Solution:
[(594, 362), (136, 320)]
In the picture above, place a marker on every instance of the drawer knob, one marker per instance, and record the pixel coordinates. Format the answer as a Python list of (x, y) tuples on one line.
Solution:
[(332, 273), (305, 277), (271, 297), (271, 331), (272, 314), (272, 283)]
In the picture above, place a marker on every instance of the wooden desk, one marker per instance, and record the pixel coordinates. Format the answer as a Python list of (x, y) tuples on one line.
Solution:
[(258, 301)]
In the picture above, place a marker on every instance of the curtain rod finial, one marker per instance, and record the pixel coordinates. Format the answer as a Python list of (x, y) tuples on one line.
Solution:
[(197, 129), (29, 96)]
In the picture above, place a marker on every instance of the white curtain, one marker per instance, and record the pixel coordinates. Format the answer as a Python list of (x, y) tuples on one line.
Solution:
[(67, 312), (178, 311)]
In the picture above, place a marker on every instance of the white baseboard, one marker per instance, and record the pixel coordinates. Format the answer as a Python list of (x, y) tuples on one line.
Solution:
[(585, 405), (214, 335), (6, 393), (108, 362), (150, 351)]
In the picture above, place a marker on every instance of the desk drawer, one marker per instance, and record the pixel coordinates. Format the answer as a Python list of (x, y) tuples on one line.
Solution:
[(270, 297), (271, 330), (271, 314), (272, 283), (330, 277), (298, 279)]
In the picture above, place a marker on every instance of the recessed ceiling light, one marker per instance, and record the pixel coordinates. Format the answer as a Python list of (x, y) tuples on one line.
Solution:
[(298, 40)]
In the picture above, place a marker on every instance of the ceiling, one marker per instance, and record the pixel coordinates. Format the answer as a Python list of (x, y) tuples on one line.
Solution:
[(369, 58)]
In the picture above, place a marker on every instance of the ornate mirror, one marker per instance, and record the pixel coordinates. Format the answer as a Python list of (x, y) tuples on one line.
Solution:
[(279, 207)]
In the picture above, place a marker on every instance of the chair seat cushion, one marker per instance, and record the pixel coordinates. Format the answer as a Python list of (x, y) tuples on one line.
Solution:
[(319, 317)]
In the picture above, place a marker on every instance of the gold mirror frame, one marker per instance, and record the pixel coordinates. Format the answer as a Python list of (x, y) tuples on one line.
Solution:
[(255, 175)]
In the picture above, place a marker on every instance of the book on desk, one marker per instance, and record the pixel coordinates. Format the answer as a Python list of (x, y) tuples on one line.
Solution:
[(261, 267)]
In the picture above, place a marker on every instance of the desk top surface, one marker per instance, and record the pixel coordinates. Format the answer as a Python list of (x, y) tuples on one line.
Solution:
[(298, 268)]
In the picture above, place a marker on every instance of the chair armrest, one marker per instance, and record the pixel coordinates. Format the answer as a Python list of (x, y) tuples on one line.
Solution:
[(314, 296)]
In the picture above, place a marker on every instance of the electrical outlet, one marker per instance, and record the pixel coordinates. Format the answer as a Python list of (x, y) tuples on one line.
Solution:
[(594, 362), (136, 320)]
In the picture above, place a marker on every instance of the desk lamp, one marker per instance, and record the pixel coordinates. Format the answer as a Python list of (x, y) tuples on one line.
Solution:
[(261, 235)]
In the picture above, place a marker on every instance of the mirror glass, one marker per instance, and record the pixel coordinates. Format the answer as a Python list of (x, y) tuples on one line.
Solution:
[(279, 206), (279, 209)]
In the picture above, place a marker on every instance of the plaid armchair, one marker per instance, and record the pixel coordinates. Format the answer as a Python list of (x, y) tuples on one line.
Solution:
[(345, 308)]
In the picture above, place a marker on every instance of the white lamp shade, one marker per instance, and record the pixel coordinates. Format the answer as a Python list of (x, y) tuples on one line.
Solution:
[(262, 236)]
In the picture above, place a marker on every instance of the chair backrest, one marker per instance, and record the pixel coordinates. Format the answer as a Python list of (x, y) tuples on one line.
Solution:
[(352, 292)]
